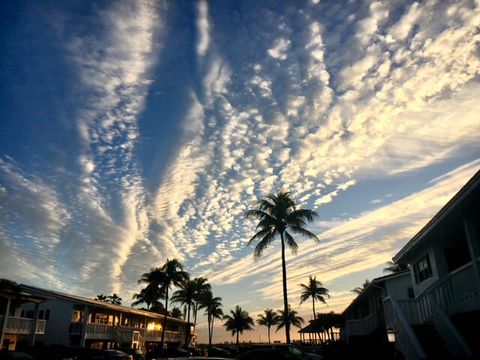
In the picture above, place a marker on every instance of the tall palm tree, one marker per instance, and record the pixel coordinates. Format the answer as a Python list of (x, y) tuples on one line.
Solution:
[(202, 286), (185, 296), (393, 267), (114, 299), (213, 310), (315, 290), (359, 289), (291, 318), (149, 295), (171, 273), (268, 319), (277, 214), (238, 321)]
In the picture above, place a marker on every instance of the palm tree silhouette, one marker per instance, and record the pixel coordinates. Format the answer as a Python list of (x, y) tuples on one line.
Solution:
[(315, 290), (268, 319), (114, 299), (213, 310), (171, 273), (101, 297), (185, 296), (201, 286), (276, 215), (176, 313), (359, 289), (148, 295), (291, 318), (238, 321), (393, 267)]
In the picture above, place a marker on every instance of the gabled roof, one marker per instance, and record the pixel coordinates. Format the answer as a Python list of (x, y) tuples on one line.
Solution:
[(375, 284), (472, 185), (99, 304)]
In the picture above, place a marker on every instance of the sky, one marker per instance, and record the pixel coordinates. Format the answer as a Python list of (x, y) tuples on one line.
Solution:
[(136, 131)]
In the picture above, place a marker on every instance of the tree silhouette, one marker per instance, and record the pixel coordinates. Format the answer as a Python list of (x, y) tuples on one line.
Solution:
[(315, 290), (201, 286), (185, 296), (101, 297), (238, 322), (291, 318), (176, 313), (393, 267), (277, 214), (213, 310), (170, 274), (150, 295), (359, 289), (114, 299), (268, 319)]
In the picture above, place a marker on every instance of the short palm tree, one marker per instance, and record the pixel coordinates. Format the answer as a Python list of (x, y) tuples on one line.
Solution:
[(213, 310), (393, 267), (277, 215), (171, 273), (185, 296), (238, 321), (150, 295), (101, 297), (359, 289), (291, 318), (114, 299), (176, 313), (268, 319), (315, 290)]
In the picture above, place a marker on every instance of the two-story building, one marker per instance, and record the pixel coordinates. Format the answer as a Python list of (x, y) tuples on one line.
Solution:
[(438, 312), (14, 327), (73, 320)]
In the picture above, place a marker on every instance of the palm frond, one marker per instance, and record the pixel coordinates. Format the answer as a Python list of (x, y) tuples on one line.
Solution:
[(305, 233), (291, 242)]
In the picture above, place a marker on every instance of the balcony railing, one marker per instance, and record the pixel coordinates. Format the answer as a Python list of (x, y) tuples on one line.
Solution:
[(18, 325), (122, 333), (364, 326)]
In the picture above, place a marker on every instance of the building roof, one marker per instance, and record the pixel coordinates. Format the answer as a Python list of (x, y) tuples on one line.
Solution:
[(87, 301), (459, 198), (374, 284)]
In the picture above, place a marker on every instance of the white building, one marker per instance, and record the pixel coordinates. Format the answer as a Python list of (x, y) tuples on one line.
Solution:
[(72, 320), (438, 312)]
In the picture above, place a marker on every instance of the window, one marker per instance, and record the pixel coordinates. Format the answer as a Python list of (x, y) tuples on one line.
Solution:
[(422, 269)]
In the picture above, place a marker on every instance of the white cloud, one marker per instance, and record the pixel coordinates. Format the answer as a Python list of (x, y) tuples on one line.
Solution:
[(202, 28)]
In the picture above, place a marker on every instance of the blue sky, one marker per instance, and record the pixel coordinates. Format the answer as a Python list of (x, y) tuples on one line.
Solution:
[(132, 132)]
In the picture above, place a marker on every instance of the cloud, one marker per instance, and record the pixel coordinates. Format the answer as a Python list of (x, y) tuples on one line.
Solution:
[(202, 28)]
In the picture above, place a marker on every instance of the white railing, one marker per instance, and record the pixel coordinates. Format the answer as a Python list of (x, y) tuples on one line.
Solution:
[(364, 326), (18, 325), (406, 340)]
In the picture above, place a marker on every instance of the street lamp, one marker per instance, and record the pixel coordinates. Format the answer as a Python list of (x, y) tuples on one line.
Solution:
[(391, 335)]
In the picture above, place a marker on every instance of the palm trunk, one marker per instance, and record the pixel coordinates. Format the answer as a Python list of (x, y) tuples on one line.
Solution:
[(285, 298), (314, 316), (211, 333), (187, 333), (164, 318), (237, 339), (209, 320), (269, 334)]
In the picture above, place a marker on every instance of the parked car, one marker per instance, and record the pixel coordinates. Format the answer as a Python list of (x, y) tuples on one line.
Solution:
[(14, 355), (110, 354), (266, 354), (136, 353), (294, 350)]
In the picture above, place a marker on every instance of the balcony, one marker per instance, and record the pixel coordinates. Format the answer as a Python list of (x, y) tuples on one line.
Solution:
[(362, 327), (122, 333), (18, 325)]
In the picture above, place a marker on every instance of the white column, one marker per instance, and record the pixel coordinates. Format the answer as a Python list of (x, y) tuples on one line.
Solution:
[(473, 246), (33, 329), (84, 326), (3, 327)]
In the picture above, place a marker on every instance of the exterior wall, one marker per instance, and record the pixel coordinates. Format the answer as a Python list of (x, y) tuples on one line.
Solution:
[(425, 284), (58, 324), (397, 287)]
